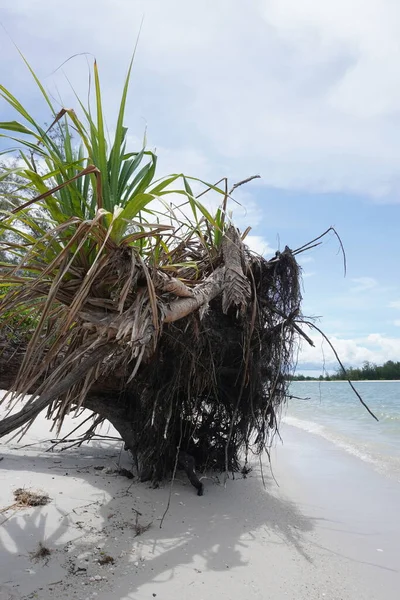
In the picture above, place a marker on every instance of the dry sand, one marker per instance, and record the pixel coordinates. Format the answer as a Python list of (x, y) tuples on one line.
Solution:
[(329, 531)]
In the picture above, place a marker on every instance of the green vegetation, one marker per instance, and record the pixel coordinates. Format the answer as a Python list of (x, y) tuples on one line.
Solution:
[(138, 302), (369, 371), (126, 295)]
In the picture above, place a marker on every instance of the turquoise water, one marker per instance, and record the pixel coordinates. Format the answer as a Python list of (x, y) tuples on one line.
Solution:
[(334, 412)]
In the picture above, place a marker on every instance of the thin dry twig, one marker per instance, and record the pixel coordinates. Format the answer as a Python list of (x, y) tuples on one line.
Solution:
[(172, 479), (41, 553), (27, 498), (138, 528), (243, 182), (309, 245)]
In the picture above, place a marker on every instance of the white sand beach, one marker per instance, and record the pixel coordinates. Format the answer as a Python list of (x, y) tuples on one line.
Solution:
[(330, 530)]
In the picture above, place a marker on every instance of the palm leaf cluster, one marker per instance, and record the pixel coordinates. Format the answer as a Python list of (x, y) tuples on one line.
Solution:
[(146, 306)]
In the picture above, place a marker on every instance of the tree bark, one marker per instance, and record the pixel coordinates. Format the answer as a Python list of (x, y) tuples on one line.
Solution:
[(108, 407), (104, 403), (31, 410), (99, 400)]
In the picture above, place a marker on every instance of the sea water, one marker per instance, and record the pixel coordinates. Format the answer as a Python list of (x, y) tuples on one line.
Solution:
[(331, 410)]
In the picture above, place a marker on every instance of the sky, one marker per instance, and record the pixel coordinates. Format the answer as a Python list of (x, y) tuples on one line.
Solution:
[(305, 93)]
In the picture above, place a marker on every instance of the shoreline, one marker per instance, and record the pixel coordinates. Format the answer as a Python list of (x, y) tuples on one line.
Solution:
[(345, 381), (381, 458), (330, 530)]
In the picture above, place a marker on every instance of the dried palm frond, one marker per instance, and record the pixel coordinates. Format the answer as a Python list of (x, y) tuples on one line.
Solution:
[(193, 331)]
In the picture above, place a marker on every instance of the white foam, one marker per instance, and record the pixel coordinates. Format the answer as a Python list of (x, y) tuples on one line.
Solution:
[(387, 465)]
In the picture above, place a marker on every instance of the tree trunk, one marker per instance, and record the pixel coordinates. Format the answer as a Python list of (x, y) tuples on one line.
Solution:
[(107, 404), (117, 415), (35, 406)]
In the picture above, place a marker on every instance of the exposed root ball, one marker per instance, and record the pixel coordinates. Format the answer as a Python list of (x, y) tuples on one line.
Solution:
[(215, 385)]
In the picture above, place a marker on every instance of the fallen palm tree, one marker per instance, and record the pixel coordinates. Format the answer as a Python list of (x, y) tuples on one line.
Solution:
[(142, 305)]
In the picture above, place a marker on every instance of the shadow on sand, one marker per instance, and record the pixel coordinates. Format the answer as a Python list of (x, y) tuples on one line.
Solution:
[(94, 512)]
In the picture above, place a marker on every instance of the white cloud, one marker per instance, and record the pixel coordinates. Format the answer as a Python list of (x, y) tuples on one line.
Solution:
[(370, 39), (259, 245), (187, 160), (395, 304), (397, 322), (363, 284), (374, 348), (307, 274), (301, 91), (246, 211), (241, 206)]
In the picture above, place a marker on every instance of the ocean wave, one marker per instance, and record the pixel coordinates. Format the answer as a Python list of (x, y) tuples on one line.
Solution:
[(384, 464)]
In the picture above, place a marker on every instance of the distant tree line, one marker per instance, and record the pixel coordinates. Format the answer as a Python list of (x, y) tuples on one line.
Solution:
[(369, 371)]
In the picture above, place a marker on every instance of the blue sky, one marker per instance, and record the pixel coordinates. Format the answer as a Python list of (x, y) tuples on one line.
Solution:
[(305, 93)]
